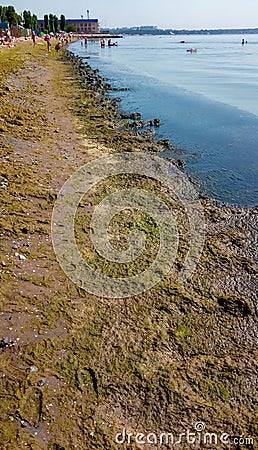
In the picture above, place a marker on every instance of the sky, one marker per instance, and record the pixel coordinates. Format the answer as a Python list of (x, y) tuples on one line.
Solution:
[(175, 14)]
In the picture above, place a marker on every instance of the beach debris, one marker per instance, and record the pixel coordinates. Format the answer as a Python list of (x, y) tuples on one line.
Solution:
[(4, 183), (22, 257), (4, 342), (34, 369), (24, 424), (42, 382)]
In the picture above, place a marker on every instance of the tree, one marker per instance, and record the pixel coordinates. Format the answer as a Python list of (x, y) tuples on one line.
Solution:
[(8, 14), (46, 22), (62, 22), (34, 22), (70, 28), (2, 14), (27, 19), (51, 23), (56, 24)]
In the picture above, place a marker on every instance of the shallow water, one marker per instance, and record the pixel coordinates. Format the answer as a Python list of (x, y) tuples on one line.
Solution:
[(207, 102)]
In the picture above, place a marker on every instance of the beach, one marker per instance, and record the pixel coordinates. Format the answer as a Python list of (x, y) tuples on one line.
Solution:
[(78, 369)]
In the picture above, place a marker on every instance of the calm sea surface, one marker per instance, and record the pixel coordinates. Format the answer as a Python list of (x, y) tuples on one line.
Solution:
[(207, 102)]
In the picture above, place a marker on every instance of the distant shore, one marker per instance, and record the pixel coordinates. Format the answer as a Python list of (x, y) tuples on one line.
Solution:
[(156, 31)]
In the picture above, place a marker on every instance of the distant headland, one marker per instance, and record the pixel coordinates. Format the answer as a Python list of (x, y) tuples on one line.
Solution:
[(153, 30)]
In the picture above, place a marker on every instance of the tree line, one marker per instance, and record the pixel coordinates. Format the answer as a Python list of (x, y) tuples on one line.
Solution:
[(51, 23), (30, 21), (8, 14)]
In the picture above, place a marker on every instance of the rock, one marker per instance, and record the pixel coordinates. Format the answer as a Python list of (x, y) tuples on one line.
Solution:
[(22, 258), (180, 163), (156, 122), (165, 143), (237, 306), (120, 89), (133, 116)]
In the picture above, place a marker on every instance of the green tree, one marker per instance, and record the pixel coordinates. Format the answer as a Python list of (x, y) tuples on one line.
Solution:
[(70, 28), (46, 22), (27, 19), (62, 22), (51, 23), (2, 14), (34, 22), (8, 14), (56, 24)]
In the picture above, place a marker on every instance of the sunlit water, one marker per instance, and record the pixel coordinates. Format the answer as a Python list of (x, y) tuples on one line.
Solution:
[(207, 102)]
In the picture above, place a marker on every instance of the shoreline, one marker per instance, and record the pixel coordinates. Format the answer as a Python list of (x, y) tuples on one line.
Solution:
[(205, 164), (132, 122), (77, 369)]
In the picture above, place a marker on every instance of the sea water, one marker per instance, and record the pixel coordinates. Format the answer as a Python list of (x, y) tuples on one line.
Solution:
[(207, 102)]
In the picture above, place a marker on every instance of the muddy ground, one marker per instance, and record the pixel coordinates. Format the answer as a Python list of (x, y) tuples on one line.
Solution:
[(77, 369)]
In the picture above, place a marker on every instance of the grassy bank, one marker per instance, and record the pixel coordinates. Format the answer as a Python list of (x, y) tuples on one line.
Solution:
[(77, 369)]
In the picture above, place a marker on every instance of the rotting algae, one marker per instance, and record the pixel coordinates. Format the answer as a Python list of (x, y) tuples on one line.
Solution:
[(161, 361)]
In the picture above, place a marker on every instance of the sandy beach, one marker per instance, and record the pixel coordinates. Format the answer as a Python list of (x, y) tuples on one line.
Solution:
[(77, 369)]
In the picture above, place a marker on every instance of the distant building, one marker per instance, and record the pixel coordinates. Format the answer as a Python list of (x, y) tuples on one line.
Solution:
[(82, 26), (86, 26)]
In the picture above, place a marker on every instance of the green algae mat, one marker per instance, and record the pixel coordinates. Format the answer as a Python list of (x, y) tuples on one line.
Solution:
[(173, 366)]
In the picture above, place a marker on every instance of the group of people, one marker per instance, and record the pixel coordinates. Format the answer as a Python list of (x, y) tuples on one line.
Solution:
[(110, 43), (5, 38), (62, 41)]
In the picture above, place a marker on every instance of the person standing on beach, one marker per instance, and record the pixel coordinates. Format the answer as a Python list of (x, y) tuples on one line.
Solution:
[(33, 37), (47, 39)]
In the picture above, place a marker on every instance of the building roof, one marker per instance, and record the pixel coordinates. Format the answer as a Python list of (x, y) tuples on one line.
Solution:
[(82, 20), (75, 20), (4, 25)]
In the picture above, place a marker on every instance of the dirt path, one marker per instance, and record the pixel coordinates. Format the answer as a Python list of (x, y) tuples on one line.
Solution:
[(39, 154)]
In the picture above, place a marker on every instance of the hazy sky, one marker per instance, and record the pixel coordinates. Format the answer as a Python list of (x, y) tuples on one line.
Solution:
[(164, 13)]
